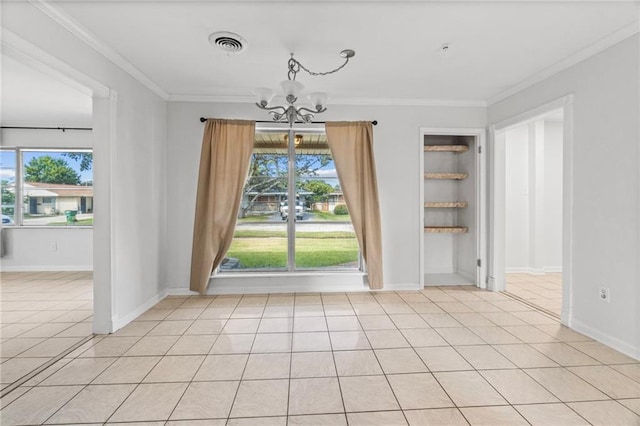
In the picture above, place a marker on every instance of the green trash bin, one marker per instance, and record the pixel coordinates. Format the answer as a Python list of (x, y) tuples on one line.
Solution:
[(71, 216)]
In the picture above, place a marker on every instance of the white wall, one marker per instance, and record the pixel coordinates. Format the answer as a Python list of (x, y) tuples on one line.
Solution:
[(605, 194), (129, 170), (29, 249), (552, 260), (396, 142), (533, 200), (516, 254)]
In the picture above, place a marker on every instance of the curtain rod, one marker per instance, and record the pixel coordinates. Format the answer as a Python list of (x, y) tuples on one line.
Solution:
[(45, 128), (374, 122)]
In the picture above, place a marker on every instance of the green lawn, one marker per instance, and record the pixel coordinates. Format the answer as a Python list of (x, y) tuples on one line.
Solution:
[(256, 218), (330, 217), (82, 222), (268, 249)]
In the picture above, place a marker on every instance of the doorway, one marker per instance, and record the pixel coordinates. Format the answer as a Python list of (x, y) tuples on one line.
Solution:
[(47, 165), (530, 212), (533, 212)]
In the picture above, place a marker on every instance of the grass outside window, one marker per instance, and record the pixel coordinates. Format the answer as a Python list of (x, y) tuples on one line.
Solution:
[(314, 250)]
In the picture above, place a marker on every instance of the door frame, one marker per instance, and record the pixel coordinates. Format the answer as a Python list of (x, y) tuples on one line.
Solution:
[(481, 191), (497, 180)]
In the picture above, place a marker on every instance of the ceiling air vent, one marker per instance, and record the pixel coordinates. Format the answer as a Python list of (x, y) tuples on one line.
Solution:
[(228, 42)]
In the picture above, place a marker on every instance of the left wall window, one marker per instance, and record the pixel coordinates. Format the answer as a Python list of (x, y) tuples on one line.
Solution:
[(52, 187), (8, 163)]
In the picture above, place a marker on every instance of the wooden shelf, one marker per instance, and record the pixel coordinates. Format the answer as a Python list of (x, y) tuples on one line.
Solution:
[(446, 229), (450, 176), (446, 204), (446, 148)]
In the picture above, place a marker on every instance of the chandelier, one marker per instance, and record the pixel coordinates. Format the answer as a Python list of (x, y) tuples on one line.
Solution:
[(292, 90)]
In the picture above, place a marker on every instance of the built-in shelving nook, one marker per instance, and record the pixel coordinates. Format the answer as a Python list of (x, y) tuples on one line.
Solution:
[(450, 209)]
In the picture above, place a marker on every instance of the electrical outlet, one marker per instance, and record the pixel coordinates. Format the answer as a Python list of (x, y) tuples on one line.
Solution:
[(605, 295), (53, 246)]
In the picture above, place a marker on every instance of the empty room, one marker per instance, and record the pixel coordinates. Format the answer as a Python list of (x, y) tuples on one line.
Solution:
[(320, 213)]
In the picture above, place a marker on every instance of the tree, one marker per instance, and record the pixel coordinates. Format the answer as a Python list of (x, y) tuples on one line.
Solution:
[(320, 189), (268, 173), (47, 169), (85, 158), (8, 199)]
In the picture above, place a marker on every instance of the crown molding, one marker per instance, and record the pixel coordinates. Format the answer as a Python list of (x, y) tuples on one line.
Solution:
[(31, 55), (569, 61), (65, 20), (338, 101)]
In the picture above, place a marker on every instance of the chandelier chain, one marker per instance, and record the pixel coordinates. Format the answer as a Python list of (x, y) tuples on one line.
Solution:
[(295, 66), (290, 113)]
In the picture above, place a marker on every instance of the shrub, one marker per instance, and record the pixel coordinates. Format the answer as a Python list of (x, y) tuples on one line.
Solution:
[(340, 209)]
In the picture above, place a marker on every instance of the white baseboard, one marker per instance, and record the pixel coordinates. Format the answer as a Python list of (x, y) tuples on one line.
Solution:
[(45, 268), (552, 269), (604, 338), (180, 291), (491, 284), (119, 322), (264, 288)]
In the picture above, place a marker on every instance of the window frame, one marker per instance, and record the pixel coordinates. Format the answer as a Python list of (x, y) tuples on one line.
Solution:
[(290, 269), (19, 181)]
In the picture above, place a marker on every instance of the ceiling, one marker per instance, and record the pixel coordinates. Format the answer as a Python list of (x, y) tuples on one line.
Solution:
[(493, 46), (32, 97)]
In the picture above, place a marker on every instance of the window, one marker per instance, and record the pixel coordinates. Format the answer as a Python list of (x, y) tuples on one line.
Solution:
[(7, 185), (47, 187), (312, 232)]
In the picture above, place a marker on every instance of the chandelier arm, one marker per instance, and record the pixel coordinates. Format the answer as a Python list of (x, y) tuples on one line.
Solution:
[(273, 109), (276, 116), (306, 118), (312, 111)]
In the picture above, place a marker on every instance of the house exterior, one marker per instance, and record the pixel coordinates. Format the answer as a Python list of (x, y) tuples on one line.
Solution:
[(334, 199), (53, 199), (270, 202)]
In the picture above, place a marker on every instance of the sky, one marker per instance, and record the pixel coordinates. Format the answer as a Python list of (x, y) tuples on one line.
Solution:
[(8, 163)]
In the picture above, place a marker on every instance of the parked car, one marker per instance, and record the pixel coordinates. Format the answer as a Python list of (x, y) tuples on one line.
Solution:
[(284, 211), (6, 220)]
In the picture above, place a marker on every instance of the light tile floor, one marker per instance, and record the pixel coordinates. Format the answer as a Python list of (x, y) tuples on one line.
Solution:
[(543, 291), (449, 355), (42, 315)]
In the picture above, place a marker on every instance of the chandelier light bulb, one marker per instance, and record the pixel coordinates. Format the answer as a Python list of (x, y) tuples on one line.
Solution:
[(318, 99), (291, 88), (264, 95)]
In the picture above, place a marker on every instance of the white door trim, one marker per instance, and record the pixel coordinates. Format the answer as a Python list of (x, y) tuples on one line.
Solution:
[(497, 194), (481, 192)]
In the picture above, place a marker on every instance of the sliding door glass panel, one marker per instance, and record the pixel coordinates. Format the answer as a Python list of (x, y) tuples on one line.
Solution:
[(324, 235)]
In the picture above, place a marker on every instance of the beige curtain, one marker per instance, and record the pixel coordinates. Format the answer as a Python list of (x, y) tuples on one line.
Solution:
[(224, 162), (351, 145)]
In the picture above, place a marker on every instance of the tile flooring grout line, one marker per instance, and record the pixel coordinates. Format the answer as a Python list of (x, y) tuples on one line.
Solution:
[(141, 381), (83, 387), (16, 384), (380, 365), (531, 304), (333, 357), (204, 358), (244, 369)]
